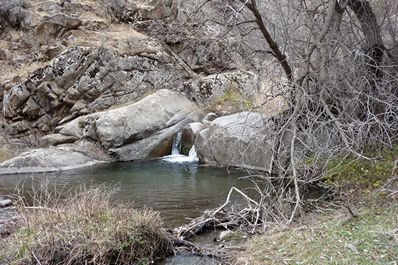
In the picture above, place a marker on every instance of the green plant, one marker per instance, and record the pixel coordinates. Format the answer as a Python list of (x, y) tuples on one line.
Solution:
[(232, 100), (360, 173)]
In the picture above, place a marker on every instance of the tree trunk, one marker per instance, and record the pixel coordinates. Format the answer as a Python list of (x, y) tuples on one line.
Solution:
[(373, 43)]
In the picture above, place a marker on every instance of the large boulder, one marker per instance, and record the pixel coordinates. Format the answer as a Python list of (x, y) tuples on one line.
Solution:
[(141, 130), (239, 140), (47, 160)]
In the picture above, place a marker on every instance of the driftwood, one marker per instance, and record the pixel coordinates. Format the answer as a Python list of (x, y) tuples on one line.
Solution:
[(222, 218), (248, 217)]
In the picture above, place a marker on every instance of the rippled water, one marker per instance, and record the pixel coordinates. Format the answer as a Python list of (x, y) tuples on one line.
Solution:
[(176, 188)]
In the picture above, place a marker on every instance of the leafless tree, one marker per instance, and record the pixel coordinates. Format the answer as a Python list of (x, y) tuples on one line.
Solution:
[(340, 84)]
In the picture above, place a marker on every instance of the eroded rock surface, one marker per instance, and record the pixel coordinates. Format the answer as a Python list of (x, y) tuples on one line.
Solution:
[(83, 80), (47, 160), (228, 86), (239, 140), (137, 131), (117, 127)]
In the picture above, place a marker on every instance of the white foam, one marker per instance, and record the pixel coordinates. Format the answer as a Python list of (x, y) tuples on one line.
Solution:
[(178, 158)]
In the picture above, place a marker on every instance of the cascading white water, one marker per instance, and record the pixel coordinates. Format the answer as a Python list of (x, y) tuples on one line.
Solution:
[(176, 156), (176, 149), (192, 154)]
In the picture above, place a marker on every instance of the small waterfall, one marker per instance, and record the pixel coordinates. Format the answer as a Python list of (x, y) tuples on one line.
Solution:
[(192, 154), (176, 156), (177, 144)]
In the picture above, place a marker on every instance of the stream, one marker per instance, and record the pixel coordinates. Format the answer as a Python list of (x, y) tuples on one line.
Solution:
[(177, 186), (173, 186)]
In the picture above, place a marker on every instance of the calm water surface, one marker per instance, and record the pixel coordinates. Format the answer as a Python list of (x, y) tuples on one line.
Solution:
[(176, 189)]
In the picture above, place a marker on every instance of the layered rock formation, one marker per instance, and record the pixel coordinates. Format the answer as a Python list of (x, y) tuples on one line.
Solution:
[(83, 80), (141, 130), (116, 81)]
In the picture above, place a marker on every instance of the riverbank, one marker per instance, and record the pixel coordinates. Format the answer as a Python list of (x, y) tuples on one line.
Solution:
[(86, 227), (83, 228), (334, 236)]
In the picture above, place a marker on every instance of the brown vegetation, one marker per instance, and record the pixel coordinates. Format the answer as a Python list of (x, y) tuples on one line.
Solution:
[(84, 229), (339, 86)]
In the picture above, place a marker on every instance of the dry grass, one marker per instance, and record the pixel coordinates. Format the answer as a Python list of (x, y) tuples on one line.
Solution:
[(84, 229), (5, 154), (332, 238)]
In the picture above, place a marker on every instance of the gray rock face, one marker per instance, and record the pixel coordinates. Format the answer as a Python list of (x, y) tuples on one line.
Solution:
[(5, 202), (128, 11), (117, 127), (141, 130), (83, 80), (57, 25), (15, 14), (46, 160), (239, 140), (204, 53), (206, 91), (56, 139), (188, 135)]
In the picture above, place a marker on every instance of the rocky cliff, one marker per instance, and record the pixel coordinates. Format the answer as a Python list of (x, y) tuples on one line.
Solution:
[(111, 80)]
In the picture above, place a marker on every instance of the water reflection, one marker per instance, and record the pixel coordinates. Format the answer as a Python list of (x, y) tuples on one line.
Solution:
[(177, 190)]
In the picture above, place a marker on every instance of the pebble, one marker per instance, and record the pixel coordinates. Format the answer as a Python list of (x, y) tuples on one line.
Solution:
[(352, 248)]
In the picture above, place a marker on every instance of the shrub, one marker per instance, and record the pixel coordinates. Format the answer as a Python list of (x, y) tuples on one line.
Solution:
[(84, 229), (232, 100)]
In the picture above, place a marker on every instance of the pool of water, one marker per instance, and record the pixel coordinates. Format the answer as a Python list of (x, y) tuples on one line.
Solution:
[(176, 187)]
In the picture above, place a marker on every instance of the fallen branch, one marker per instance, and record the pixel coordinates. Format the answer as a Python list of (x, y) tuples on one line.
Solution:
[(219, 218)]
